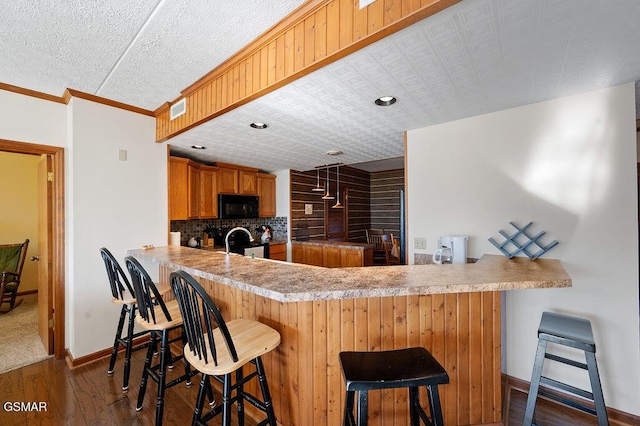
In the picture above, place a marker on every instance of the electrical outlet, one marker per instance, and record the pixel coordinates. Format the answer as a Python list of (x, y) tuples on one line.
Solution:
[(420, 243)]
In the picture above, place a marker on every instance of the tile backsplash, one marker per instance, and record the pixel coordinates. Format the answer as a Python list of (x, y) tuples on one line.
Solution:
[(195, 227)]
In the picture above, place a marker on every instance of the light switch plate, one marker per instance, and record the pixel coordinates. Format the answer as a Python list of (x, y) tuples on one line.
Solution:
[(122, 154), (308, 209), (420, 243)]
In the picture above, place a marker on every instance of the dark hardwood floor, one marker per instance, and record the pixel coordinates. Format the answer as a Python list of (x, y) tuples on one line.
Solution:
[(87, 396)]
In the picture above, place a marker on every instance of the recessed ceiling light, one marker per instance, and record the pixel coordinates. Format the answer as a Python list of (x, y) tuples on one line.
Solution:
[(258, 125), (334, 152), (198, 147), (385, 100)]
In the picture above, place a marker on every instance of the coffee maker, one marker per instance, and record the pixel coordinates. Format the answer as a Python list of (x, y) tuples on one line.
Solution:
[(451, 249)]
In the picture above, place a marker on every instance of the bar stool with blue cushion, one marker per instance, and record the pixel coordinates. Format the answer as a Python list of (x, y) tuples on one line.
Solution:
[(575, 333), (410, 368)]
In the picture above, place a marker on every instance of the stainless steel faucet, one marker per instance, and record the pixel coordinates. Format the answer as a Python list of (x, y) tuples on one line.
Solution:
[(239, 228)]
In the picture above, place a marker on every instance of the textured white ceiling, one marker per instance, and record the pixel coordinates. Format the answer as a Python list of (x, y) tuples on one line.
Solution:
[(477, 57), (140, 52)]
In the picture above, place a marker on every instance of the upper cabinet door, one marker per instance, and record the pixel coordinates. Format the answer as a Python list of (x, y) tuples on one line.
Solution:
[(193, 184), (248, 183), (228, 180), (208, 192), (178, 188), (267, 194)]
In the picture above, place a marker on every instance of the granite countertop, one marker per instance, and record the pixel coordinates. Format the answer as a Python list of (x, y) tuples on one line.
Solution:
[(293, 282), (339, 244)]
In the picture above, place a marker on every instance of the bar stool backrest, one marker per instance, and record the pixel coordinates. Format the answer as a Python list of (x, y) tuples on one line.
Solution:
[(117, 278), (200, 317), (147, 295)]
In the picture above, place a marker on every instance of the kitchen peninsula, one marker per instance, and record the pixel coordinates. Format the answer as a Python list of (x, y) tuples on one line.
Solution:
[(452, 310)]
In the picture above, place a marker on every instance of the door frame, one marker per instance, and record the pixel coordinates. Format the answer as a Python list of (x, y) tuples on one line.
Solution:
[(58, 249)]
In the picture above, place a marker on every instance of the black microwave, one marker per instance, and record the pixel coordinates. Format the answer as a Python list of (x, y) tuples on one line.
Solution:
[(237, 206)]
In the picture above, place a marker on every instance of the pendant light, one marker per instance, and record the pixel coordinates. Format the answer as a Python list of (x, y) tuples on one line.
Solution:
[(338, 205), (328, 196), (318, 188)]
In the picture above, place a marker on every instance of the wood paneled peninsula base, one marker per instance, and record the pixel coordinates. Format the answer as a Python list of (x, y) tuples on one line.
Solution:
[(452, 310)]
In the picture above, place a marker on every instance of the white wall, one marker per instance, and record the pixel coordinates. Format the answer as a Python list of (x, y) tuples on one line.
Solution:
[(111, 203), (28, 119), (568, 165), (283, 201)]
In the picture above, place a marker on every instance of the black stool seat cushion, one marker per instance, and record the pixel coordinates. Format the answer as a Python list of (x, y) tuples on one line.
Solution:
[(564, 329), (391, 369)]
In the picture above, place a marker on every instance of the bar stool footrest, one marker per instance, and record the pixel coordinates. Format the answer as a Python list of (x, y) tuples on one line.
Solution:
[(567, 388), (569, 402), (566, 361)]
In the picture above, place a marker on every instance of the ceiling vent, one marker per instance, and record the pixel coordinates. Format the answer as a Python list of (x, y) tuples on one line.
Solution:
[(178, 109)]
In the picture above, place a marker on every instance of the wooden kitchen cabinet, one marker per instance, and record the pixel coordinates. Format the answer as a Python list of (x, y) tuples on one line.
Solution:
[(330, 254), (228, 180), (208, 192), (233, 179), (248, 182), (184, 189), (278, 251), (267, 194)]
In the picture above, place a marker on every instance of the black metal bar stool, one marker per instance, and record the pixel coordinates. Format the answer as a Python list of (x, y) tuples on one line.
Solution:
[(410, 368), (575, 333)]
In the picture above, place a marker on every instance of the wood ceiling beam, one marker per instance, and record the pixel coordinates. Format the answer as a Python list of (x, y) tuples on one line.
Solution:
[(316, 34)]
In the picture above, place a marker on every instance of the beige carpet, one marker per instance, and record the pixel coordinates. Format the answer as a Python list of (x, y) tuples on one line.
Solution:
[(20, 344)]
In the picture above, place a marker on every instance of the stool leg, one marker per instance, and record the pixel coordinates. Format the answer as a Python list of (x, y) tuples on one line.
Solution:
[(187, 367), (363, 402), (596, 389), (240, 393), (266, 395), (145, 371), (434, 405), (348, 419), (165, 356), (414, 401), (197, 414), (226, 400), (535, 382), (116, 341), (128, 349)]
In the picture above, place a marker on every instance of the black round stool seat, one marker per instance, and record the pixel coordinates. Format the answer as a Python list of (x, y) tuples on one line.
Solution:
[(411, 368)]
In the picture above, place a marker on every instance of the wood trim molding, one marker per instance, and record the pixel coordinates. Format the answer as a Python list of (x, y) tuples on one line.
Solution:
[(57, 154), (316, 34), (32, 93), (95, 356), (615, 416), (26, 293), (69, 93)]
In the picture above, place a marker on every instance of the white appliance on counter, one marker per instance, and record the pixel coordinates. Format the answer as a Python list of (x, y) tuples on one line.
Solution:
[(451, 249)]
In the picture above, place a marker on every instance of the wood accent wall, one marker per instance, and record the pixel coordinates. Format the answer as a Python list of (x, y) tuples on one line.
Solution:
[(462, 331), (316, 34), (385, 200), (357, 181)]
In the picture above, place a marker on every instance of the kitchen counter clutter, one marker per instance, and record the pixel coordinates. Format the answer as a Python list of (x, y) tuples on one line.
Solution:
[(288, 282), (452, 310)]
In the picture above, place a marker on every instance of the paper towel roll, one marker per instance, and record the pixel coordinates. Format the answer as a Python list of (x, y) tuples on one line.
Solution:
[(174, 238)]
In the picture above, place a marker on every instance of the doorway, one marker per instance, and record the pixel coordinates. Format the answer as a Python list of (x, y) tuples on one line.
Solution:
[(54, 229)]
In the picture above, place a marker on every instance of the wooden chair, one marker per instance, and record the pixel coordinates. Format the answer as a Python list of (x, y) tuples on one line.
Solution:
[(159, 319), (391, 249), (12, 258), (219, 349), (374, 236), (122, 295)]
